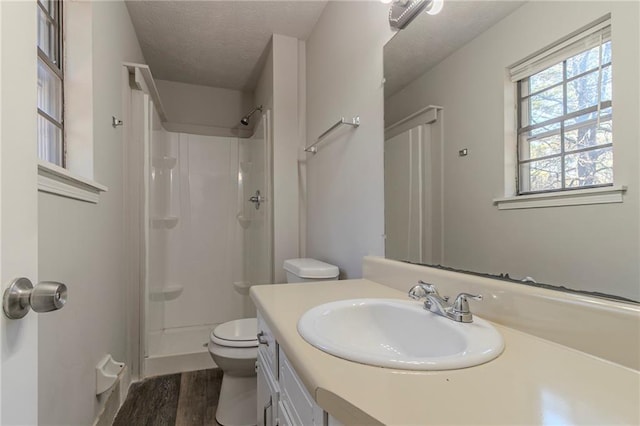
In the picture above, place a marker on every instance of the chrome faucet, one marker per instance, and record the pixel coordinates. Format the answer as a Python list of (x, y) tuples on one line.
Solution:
[(458, 311)]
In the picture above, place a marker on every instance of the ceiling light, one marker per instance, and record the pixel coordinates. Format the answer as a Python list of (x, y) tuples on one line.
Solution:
[(402, 12), (386, 1), (435, 7)]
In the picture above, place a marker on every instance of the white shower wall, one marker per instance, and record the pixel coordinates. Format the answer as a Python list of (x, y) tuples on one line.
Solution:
[(206, 245), (206, 242)]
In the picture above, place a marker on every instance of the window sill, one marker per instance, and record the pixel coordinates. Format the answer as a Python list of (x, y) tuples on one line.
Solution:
[(578, 197), (56, 180)]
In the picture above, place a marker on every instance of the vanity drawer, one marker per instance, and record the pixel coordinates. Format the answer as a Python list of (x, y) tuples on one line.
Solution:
[(269, 347)]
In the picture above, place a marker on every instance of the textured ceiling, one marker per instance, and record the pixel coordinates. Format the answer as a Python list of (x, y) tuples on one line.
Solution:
[(430, 39), (216, 43)]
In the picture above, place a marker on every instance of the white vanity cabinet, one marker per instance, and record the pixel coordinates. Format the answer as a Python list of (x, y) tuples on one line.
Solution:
[(282, 398), (295, 401), (268, 391)]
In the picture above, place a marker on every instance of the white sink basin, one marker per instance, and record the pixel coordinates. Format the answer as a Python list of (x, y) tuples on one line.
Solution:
[(398, 334)]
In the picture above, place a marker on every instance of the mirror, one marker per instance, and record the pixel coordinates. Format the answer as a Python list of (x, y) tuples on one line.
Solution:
[(451, 140)]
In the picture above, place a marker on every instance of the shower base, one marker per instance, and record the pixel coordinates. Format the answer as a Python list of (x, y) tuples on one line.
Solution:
[(177, 350)]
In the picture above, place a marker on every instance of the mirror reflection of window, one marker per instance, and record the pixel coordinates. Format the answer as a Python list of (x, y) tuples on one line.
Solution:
[(565, 109)]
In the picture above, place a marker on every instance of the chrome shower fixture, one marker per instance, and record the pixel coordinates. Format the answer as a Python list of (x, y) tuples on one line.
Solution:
[(245, 119), (402, 12)]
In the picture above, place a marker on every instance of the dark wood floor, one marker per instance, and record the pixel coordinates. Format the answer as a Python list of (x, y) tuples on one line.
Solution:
[(186, 399)]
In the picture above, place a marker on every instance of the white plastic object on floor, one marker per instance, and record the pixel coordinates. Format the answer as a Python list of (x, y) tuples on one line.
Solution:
[(107, 372), (234, 348), (238, 401)]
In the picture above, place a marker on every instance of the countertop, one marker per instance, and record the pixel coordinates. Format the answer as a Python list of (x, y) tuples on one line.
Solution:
[(534, 381)]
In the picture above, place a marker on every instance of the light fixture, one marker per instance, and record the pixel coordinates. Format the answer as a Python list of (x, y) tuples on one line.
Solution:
[(402, 12), (386, 1), (435, 7)]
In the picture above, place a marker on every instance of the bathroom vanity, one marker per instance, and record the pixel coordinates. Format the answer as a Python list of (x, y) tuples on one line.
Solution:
[(534, 381), (282, 398)]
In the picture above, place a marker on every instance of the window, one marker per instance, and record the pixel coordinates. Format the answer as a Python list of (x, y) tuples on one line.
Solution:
[(50, 82), (565, 115)]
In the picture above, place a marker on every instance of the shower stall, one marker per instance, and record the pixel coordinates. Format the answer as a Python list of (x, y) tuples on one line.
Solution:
[(207, 239)]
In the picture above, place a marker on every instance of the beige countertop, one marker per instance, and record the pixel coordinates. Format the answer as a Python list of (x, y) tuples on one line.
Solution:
[(534, 381)]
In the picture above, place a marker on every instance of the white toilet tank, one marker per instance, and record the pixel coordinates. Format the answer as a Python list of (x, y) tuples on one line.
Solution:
[(305, 270)]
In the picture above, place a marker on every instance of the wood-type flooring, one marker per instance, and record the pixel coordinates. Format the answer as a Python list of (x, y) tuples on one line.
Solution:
[(185, 399)]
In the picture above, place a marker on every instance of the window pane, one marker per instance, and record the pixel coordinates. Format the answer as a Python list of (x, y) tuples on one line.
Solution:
[(606, 83), (546, 78), (582, 92), (47, 37), (542, 147), (594, 167), (544, 129), (605, 114), (589, 135), (583, 62), (606, 52), (543, 175), (49, 91), (49, 141), (545, 105)]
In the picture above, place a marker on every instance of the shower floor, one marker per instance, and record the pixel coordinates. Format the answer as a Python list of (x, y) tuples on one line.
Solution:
[(177, 350)]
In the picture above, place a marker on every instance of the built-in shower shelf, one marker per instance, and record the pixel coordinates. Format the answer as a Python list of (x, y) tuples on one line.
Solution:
[(169, 292), (168, 222), (242, 287), (243, 221), (164, 162)]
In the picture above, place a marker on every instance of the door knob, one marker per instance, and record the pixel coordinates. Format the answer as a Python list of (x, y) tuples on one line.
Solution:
[(21, 296)]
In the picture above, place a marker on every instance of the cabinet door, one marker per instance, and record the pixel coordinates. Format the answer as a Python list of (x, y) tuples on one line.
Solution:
[(283, 418), (301, 407), (267, 394)]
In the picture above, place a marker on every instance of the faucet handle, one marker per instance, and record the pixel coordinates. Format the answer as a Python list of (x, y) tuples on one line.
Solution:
[(461, 306), (421, 290)]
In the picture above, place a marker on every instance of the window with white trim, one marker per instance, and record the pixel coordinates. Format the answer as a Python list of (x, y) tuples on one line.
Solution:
[(565, 114), (50, 82)]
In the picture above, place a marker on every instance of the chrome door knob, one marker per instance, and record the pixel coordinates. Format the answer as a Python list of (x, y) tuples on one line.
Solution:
[(21, 296)]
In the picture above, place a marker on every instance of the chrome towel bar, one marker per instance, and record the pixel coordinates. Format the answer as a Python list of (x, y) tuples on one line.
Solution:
[(355, 122)]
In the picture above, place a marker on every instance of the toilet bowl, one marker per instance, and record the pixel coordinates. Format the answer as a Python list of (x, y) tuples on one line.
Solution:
[(234, 348)]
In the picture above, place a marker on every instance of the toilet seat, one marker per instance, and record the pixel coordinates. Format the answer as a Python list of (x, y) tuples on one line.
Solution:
[(236, 334)]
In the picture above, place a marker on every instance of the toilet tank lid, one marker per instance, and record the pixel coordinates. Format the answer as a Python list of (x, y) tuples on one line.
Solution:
[(310, 268)]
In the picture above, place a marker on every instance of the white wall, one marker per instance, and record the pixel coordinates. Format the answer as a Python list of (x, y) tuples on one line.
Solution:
[(202, 106), (344, 200), (278, 90), (264, 89), (550, 244), (82, 245), (286, 144)]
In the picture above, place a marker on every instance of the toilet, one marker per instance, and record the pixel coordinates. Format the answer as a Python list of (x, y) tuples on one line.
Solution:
[(234, 348)]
